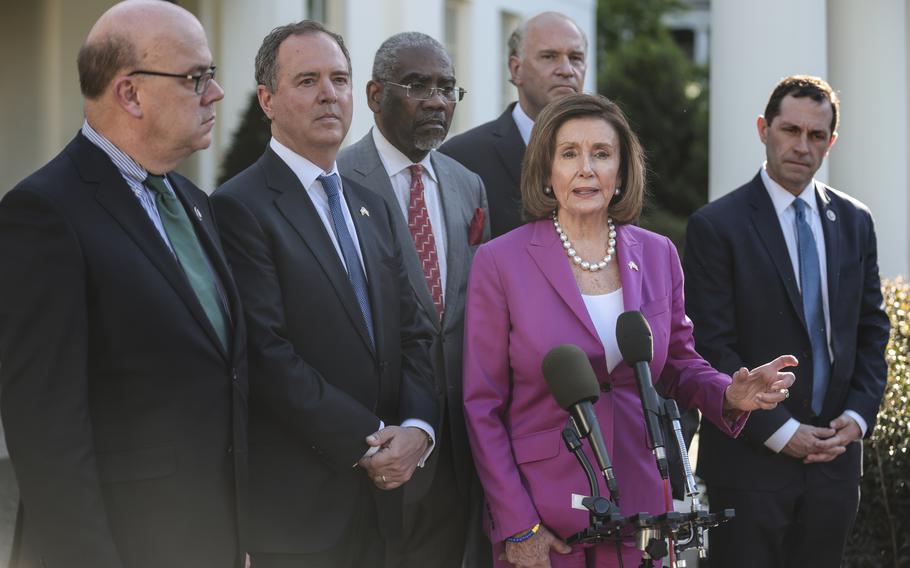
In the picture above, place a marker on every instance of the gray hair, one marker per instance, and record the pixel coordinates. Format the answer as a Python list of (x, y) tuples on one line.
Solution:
[(267, 57), (386, 61), (517, 37)]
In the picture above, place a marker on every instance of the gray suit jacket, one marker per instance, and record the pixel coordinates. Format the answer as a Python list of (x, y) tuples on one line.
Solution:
[(461, 193)]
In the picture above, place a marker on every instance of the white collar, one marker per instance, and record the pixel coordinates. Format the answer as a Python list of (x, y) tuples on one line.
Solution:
[(781, 198), (306, 171), (394, 161), (523, 122)]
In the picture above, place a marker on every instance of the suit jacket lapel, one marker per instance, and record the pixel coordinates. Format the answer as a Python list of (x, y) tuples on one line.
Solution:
[(767, 226), (829, 220), (510, 146), (115, 196), (628, 255), (366, 163), (299, 211), (457, 254), (548, 253)]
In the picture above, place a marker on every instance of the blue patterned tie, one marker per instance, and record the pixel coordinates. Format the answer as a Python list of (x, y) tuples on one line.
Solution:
[(811, 286), (348, 250)]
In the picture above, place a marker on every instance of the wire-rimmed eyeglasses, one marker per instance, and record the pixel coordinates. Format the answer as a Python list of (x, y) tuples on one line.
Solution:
[(421, 92), (203, 80)]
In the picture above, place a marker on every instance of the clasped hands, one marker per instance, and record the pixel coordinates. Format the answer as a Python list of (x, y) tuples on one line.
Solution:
[(400, 450), (813, 444)]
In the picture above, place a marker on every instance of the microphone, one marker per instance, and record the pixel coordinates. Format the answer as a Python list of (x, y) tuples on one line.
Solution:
[(633, 335), (571, 379)]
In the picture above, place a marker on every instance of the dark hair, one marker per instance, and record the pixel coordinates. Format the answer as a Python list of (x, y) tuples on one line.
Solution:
[(99, 62), (538, 161), (800, 86), (267, 57)]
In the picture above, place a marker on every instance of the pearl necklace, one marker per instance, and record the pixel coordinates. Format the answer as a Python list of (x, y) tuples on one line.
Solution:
[(584, 264)]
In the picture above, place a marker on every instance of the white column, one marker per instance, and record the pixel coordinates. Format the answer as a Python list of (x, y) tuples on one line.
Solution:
[(868, 67), (753, 45)]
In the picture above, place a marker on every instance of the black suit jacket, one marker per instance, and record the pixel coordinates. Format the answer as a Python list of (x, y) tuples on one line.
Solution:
[(742, 295), (125, 418), (318, 387), (494, 151)]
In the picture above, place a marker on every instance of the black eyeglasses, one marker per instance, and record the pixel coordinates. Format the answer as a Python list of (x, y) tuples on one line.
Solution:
[(421, 92), (203, 80)]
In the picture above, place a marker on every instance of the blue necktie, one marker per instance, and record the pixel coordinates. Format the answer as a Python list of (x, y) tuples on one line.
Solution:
[(348, 250), (811, 286)]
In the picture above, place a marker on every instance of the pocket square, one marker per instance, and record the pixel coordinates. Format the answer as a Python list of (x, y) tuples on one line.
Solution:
[(475, 229)]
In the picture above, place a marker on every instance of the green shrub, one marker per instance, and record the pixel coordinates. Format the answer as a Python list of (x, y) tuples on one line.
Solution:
[(881, 536)]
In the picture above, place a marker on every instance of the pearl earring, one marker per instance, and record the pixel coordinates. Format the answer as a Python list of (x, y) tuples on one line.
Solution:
[(618, 192), (547, 190)]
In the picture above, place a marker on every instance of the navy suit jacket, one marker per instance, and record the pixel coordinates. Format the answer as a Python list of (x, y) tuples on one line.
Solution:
[(494, 151), (743, 297), (125, 416)]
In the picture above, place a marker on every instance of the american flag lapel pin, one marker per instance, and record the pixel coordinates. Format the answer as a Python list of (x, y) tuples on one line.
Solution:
[(633, 266), (364, 212)]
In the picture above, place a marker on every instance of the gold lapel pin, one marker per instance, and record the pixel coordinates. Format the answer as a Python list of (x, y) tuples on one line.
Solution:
[(364, 212), (197, 212), (633, 266)]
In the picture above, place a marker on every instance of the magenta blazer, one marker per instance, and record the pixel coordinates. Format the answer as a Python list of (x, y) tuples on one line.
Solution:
[(523, 301)]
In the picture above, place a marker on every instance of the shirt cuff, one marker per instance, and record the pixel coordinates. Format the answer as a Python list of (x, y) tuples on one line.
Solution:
[(863, 426), (782, 436), (418, 423), (373, 449)]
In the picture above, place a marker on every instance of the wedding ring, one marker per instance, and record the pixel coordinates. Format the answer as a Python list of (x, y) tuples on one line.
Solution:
[(382, 477), (786, 393)]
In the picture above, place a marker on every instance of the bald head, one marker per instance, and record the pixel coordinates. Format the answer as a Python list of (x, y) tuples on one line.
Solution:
[(542, 24), (131, 34)]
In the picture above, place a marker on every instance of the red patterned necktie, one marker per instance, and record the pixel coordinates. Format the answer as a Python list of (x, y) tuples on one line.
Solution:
[(424, 241)]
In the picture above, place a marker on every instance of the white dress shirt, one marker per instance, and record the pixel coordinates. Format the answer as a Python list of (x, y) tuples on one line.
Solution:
[(523, 122), (786, 215), (604, 310), (396, 166), (308, 172)]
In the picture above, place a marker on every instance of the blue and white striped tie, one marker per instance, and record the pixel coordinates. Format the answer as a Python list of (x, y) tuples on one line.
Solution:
[(348, 250)]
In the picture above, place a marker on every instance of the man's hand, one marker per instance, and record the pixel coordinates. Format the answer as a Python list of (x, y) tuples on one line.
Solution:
[(846, 430), (806, 441), (400, 449), (534, 552)]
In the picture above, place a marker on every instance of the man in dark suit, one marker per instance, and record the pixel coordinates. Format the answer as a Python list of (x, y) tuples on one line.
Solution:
[(547, 60), (786, 264), (439, 209), (339, 363), (121, 336)]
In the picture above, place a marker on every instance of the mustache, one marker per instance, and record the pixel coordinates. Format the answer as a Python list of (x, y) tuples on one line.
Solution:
[(433, 118)]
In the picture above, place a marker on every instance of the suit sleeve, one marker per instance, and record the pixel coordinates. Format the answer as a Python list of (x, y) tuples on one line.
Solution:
[(324, 417), (487, 393), (45, 406), (711, 303), (482, 193), (870, 373)]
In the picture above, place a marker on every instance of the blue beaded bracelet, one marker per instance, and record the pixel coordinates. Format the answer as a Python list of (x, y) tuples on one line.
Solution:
[(525, 535)]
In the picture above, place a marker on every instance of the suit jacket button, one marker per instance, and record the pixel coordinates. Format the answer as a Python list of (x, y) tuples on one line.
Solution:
[(230, 449), (605, 387), (235, 376)]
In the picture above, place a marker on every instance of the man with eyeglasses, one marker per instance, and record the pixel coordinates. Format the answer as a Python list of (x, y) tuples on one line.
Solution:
[(547, 61), (340, 374), (122, 349), (439, 209)]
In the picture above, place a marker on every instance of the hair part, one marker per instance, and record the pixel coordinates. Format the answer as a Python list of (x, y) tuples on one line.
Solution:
[(267, 56), (538, 161), (799, 86), (99, 61)]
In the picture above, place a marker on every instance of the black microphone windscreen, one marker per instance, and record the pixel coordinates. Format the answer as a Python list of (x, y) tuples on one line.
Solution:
[(569, 375), (633, 335)]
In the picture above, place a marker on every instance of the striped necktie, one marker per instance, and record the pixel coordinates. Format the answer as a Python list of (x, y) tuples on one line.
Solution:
[(424, 241)]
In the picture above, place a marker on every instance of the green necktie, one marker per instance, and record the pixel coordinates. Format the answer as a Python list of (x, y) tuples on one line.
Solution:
[(189, 253)]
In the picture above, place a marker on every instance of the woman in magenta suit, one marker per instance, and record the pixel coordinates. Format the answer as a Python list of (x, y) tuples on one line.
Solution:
[(565, 278)]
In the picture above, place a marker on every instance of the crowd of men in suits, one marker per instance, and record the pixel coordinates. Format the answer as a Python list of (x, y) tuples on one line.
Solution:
[(276, 370)]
